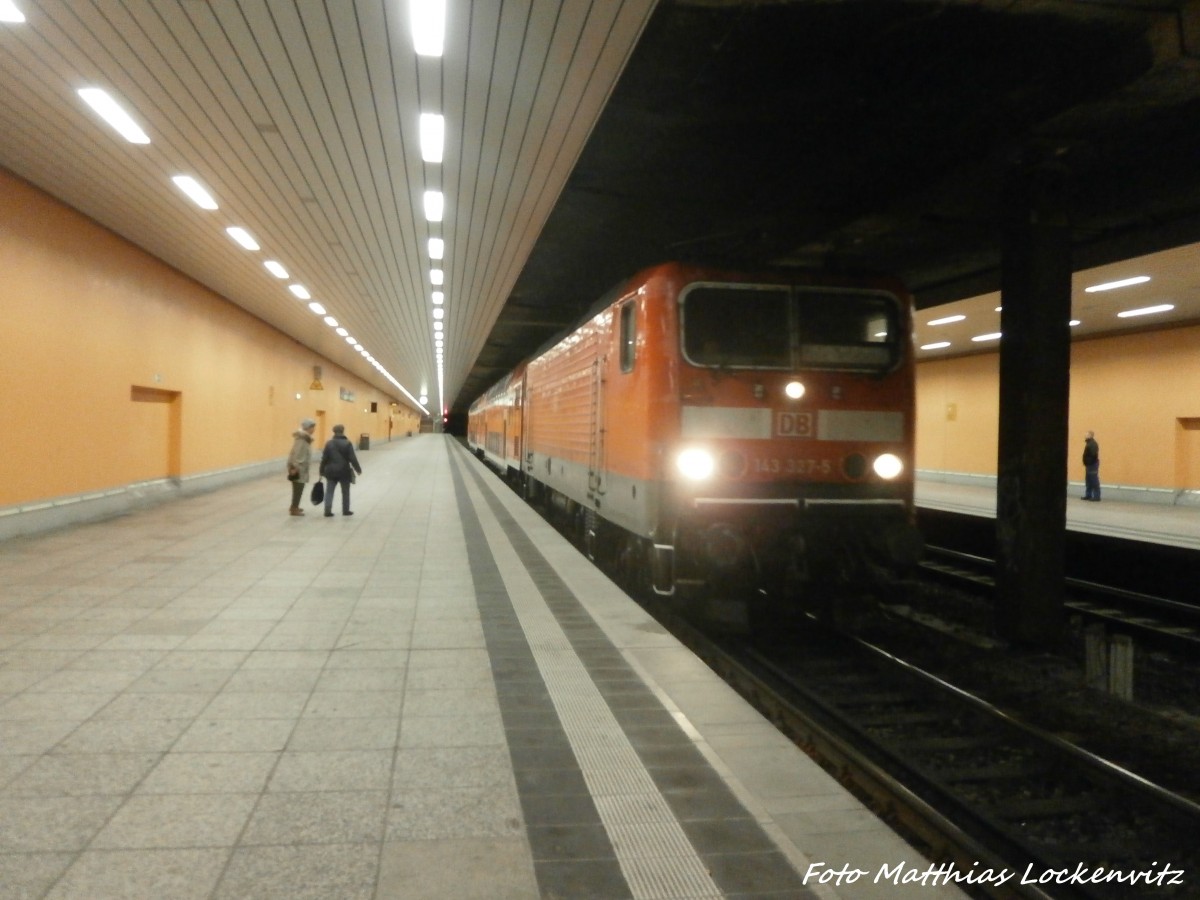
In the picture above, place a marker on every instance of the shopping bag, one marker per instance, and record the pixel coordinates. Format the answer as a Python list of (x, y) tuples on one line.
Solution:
[(318, 492)]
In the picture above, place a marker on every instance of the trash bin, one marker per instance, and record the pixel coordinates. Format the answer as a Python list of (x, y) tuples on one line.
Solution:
[(364, 442)]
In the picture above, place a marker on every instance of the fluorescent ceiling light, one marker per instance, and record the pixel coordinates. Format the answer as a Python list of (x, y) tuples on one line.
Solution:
[(428, 19), (1110, 285), (300, 291), (242, 236), (331, 321), (947, 320), (358, 347), (351, 340), (938, 346), (112, 113), (192, 188), (342, 332), (1073, 322), (437, 326), (1145, 311), (317, 308), (436, 276), (9, 12), (437, 248), (438, 298), (276, 269), (439, 313), (433, 137), (434, 205), (987, 337)]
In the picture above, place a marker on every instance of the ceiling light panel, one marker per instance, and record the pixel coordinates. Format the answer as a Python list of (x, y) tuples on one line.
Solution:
[(1146, 311), (10, 12), (114, 113), (427, 18), (435, 205), (195, 192), (243, 237), (433, 137), (1120, 283)]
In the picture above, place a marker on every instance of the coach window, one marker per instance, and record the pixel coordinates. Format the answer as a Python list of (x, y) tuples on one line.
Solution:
[(628, 335)]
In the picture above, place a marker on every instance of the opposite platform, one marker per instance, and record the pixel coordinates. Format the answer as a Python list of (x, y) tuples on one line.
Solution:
[(436, 698), (1157, 523)]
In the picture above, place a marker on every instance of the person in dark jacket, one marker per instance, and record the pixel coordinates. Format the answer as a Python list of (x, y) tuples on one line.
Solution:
[(298, 463), (338, 465), (1091, 468)]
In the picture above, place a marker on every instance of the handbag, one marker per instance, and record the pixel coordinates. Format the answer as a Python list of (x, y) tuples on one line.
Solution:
[(318, 492)]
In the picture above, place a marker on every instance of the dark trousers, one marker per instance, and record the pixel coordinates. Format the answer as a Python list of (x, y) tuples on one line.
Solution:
[(1091, 482), (297, 493), (330, 483)]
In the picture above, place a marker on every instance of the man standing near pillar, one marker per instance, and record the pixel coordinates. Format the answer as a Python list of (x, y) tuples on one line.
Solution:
[(1091, 468)]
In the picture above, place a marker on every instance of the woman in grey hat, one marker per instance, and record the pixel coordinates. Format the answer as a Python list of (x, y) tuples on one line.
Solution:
[(298, 463)]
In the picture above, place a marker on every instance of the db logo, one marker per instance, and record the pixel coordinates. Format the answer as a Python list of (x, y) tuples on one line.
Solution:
[(797, 425)]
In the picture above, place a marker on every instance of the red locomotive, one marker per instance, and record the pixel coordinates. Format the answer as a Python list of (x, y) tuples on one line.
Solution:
[(713, 432)]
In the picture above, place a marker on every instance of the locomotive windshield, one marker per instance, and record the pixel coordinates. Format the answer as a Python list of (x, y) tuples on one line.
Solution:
[(769, 327)]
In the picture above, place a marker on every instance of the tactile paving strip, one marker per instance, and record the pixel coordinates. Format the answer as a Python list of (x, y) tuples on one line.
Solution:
[(654, 854)]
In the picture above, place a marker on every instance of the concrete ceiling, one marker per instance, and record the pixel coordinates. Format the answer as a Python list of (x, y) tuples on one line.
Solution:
[(588, 138)]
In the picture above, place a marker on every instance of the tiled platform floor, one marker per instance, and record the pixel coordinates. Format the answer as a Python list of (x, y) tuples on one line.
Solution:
[(436, 698)]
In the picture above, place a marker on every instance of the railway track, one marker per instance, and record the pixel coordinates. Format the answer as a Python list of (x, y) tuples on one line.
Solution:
[(1006, 810), (1155, 621)]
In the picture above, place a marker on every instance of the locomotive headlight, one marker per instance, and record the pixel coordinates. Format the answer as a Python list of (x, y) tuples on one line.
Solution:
[(888, 465), (794, 389), (696, 464)]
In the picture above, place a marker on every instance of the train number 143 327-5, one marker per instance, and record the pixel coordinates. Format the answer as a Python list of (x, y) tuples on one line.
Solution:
[(789, 465)]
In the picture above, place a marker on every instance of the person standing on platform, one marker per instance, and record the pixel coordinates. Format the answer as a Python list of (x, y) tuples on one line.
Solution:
[(299, 462), (338, 465), (1091, 468)]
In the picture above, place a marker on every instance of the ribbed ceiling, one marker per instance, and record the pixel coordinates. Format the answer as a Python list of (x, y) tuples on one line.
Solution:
[(301, 119)]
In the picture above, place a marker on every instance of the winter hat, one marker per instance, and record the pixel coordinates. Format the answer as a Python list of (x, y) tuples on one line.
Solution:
[(308, 423)]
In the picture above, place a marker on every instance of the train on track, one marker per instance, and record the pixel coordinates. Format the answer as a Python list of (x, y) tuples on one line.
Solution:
[(722, 436)]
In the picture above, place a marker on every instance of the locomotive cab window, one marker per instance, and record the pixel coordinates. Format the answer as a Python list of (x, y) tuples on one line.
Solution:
[(628, 336), (774, 327), (846, 330), (731, 325)]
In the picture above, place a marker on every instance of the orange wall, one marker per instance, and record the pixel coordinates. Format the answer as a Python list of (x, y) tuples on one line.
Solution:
[(118, 369), (1139, 392)]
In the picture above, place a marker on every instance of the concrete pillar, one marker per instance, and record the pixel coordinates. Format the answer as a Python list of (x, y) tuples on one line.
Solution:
[(1035, 358)]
